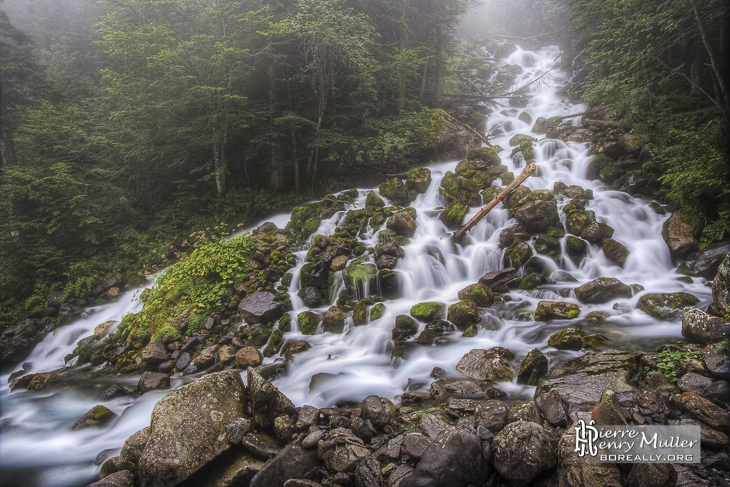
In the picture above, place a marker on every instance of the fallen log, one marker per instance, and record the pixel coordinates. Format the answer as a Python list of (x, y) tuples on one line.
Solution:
[(526, 173)]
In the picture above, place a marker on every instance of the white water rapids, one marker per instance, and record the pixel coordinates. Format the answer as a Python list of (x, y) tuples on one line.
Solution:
[(38, 448)]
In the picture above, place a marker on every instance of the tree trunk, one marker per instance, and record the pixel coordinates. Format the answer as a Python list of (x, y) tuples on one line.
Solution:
[(710, 52), (7, 146), (276, 180), (439, 54), (296, 160), (218, 169)]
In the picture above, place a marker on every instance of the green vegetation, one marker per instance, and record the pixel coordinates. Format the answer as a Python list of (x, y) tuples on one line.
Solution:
[(668, 360)]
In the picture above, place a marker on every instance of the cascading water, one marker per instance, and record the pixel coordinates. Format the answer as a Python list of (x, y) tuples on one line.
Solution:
[(38, 447)]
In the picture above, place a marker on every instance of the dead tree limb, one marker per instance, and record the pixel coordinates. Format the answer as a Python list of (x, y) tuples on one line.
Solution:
[(456, 237), (481, 136)]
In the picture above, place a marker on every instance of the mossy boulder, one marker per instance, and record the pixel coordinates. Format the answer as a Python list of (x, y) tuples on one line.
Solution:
[(428, 311), (537, 216), (334, 320), (485, 154), (457, 189), (570, 338), (596, 165), (405, 327), (453, 215), (527, 149), (665, 306), (531, 281), (308, 322), (374, 200), (418, 180), (477, 293), (360, 274), (615, 251), (602, 290), (543, 125), (577, 248), (519, 197), (275, 342), (594, 341), (518, 254), (360, 313), (492, 364), (402, 223), (517, 139), (525, 118), (556, 310), (578, 220), (596, 232), (534, 366), (463, 314), (395, 191), (376, 312), (95, 417)]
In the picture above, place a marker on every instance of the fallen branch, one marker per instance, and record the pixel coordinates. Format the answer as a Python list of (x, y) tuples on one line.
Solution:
[(526, 173), (481, 136)]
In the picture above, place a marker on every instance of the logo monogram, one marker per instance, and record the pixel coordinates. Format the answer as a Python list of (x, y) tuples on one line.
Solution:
[(585, 436)]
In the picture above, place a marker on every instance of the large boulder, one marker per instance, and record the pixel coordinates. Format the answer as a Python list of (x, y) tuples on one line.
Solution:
[(705, 263), (679, 236), (261, 307), (428, 311), (577, 471), (586, 377), (394, 190), (703, 328), (95, 417), (479, 294), (123, 478), (497, 280), (537, 216), (418, 180), (556, 310), (463, 314), (342, 451), (188, 428), (334, 320), (602, 290), (492, 364), (402, 223), (522, 450), (534, 366), (293, 462), (454, 459), (267, 403), (665, 306), (721, 286)]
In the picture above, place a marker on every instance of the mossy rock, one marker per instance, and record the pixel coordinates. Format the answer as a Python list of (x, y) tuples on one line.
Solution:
[(525, 118), (596, 165), (666, 306), (376, 312), (518, 254), (479, 294), (395, 191), (543, 126), (597, 316), (334, 320), (463, 314), (531, 281), (471, 331), (517, 139), (360, 313), (610, 173), (507, 178), (96, 417), (453, 215), (575, 204), (275, 342), (578, 220), (533, 368), (570, 338), (285, 323), (308, 322), (374, 200), (405, 327), (594, 341), (486, 154), (418, 180), (428, 311), (577, 248), (615, 251), (359, 273), (556, 310), (556, 231), (528, 151)]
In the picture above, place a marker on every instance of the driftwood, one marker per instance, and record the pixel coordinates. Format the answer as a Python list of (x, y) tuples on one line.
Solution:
[(526, 173)]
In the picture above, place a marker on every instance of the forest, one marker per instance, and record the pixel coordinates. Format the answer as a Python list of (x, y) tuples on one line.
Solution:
[(129, 124)]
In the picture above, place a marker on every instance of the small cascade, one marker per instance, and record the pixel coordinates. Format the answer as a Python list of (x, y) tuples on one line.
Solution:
[(37, 439)]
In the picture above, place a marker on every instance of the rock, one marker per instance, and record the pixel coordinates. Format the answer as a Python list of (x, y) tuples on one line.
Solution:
[(414, 445), (153, 380), (596, 232), (707, 412), (534, 366), (434, 421), (261, 307), (334, 320), (570, 338), (477, 293), (237, 429), (95, 417), (405, 327), (493, 415), (292, 348), (206, 357), (418, 180), (679, 236), (308, 322), (454, 459), (16, 342), (261, 445), (267, 403), (402, 223), (703, 328), (582, 384), (709, 438), (665, 306), (373, 199), (484, 154), (428, 312), (155, 353), (717, 361), (577, 471), (453, 215), (176, 450), (705, 263), (602, 290), (103, 327), (553, 408), (229, 471), (522, 450), (721, 287), (378, 410), (123, 478), (652, 475), (293, 462), (556, 310), (492, 364), (463, 314), (395, 191), (608, 411), (310, 296), (594, 341), (342, 451), (227, 354), (115, 391), (497, 280), (368, 474), (578, 220), (537, 216), (615, 252)]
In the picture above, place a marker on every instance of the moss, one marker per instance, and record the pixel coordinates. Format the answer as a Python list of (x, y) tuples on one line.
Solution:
[(486, 154), (463, 314), (594, 341), (374, 200), (528, 151), (578, 220), (570, 338), (615, 251), (525, 117), (285, 323), (395, 191), (453, 215), (359, 313), (308, 322), (471, 331), (518, 254), (517, 139), (275, 342), (377, 312), (478, 293), (665, 306), (572, 313), (418, 179), (428, 311)]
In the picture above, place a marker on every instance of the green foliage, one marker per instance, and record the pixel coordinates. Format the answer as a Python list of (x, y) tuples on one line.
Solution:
[(668, 360), (196, 284)]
